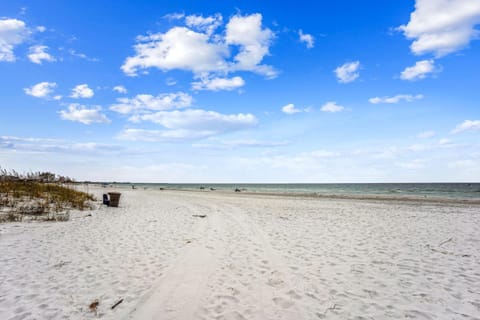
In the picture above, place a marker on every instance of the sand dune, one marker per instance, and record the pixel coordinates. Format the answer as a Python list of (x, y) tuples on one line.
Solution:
[(251, 257)]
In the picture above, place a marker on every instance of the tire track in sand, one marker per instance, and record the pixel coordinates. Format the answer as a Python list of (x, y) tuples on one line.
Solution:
[(229, 271)]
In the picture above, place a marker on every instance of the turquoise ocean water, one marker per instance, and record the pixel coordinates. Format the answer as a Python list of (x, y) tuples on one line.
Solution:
[(440, 190)]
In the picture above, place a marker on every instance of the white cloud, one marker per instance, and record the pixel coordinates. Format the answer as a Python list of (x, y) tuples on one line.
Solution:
[(79, 113), (206, 24), (290, 109), (254, 42), (178, 48), (82, 91), (348, 72), (147, 102), (12, 33), (200, 120), (216, 84), (419, 71), (426, 134), (170, 82), (41, 90), (120, 89), (467, 125), (174, 16), (82, 55), (197, 48), (187, 125), (442, 26), (41, 29), (396, 99), (332, 106), (307, 38), (37, 54)]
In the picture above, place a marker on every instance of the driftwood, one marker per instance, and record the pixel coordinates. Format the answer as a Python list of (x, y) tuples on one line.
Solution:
[(199, 215)]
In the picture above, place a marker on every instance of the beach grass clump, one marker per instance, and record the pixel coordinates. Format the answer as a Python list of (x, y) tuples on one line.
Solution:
[(39, 196)]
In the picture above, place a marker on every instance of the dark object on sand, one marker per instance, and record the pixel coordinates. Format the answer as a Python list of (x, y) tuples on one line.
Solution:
[(199, 215), (202, 188), (212, 189), (237, 190), (116, 304), (105, 199), (114, 198), (93, 306)]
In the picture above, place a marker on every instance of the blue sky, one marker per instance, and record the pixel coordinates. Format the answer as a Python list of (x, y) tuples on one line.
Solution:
[(242, 91)]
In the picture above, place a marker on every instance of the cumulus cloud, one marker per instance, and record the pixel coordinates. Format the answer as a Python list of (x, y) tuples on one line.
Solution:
[(178, 48), (206, 24), (41, 90), (120, 89), (332, 106), (216, 84), (82, 91), (37, 54), (308, 39), (198, 48), (426, 134), (419, 71), (146, 102), (290, 109), (467, 125), (254, 42), (396, 99), (442, 26), (12, 33), (82, 114), (348, 72)]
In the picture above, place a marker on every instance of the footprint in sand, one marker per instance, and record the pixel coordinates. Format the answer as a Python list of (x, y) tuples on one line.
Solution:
[(282, 302)]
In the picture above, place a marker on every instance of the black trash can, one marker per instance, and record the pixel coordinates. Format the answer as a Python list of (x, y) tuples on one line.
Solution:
[(114, 198)]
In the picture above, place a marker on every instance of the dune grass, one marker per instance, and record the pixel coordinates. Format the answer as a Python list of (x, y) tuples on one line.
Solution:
[(31, 197)]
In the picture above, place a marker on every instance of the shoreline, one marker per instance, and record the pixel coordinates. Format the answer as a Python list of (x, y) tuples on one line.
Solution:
[(360, 197)]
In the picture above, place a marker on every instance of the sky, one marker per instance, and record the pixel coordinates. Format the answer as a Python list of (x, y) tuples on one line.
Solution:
[(242, 91)]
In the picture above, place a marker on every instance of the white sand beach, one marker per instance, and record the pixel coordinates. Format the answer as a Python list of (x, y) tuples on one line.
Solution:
[(250, 257)]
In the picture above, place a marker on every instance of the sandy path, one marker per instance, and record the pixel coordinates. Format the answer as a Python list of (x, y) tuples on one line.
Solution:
[(229, 271)]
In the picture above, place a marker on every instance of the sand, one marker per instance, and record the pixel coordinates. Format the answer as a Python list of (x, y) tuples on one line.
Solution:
[(251, 257)]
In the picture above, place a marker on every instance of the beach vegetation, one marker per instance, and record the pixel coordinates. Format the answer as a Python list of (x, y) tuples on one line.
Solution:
[(41, 196)]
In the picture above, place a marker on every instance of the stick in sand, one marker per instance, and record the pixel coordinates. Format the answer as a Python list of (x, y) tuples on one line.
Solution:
[(116, 304)]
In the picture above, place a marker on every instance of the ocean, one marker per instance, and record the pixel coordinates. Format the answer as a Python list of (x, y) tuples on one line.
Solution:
[(439, 190)]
